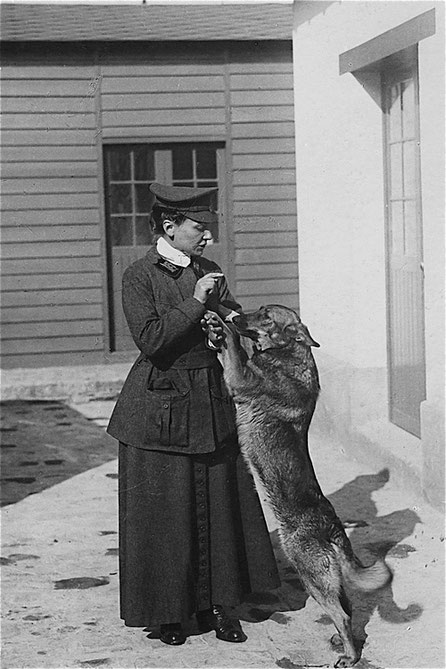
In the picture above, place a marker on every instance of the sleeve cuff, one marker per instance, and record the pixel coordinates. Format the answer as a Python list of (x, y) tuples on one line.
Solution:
[(211, 346)]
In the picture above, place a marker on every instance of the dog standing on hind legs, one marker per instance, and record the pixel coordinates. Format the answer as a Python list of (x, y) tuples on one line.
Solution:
[(275, 394)]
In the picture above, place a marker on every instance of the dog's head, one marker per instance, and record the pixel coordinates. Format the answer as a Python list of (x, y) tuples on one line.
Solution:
[(274, 326)]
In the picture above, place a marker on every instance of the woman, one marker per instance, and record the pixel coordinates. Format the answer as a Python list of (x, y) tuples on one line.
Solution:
[(193, 538)]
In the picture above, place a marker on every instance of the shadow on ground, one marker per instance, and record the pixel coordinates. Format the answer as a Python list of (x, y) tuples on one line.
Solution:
[(372, 536), (44, 443)]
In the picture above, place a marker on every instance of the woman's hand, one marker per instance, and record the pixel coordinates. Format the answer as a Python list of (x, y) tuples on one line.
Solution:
[(211, 324), (206, 286)]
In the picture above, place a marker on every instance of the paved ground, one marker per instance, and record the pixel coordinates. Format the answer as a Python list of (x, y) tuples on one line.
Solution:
[(60, 581), (44, 443)]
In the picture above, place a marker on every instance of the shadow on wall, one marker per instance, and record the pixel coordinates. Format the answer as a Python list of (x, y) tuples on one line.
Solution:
[(372, 536)]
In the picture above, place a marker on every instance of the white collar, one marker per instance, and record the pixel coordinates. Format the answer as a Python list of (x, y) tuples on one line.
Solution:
[(172, 254)]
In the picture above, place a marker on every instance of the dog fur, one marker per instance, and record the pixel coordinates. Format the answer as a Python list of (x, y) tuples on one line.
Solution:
[(275, 394)]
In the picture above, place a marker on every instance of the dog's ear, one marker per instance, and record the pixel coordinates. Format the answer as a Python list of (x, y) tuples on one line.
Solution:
[(300, 333)]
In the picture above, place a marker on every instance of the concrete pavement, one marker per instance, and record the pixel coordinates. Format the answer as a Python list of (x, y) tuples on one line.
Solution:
[(60, 580)]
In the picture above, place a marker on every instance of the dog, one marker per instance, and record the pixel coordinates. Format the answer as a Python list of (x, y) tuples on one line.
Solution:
[(275, 393)]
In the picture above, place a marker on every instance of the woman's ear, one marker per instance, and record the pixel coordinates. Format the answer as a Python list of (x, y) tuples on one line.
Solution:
[(169, 228)]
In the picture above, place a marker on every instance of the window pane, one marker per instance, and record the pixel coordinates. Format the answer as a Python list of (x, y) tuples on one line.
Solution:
[(206, 163), (144, 163), (409, 168), (410, 228), (143, 198), (394, 112), (121, 231), (408, 108), (396, 171), (118, 163), (397, 228), (207, 184), (188, 184), (120, 199), (182, 163), (143, 231)]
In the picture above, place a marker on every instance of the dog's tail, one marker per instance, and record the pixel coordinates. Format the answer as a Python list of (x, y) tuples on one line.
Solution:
[(363, 578)]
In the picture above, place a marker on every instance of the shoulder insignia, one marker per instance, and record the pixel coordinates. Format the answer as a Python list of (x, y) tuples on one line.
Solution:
[(169, 268)]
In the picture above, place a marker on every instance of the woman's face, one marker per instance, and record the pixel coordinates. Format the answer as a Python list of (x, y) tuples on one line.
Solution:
[(189, 236)]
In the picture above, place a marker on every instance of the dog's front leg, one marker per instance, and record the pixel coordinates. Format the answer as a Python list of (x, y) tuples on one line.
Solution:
[(231, 355), (232, 358)]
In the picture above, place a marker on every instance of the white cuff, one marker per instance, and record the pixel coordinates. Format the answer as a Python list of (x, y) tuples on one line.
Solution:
[(212, 346), (231, 315)]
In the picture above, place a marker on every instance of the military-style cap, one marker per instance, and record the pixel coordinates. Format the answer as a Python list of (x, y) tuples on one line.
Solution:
[(194, 203)]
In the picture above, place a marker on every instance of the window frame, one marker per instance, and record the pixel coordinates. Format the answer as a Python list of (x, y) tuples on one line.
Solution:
[(403, 65)]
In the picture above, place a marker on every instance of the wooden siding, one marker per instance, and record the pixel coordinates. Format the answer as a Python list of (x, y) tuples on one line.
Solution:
[(59, 110), (264, 179), (163, 96), (51, 267)]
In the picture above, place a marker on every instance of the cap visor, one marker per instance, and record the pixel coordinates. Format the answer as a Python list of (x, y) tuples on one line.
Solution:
[(202, 216)]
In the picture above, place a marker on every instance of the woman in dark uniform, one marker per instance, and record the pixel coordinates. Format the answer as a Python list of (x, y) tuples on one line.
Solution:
[(193, 538)]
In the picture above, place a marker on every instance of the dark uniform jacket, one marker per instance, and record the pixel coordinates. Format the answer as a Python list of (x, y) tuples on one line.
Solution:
[(174, 398)]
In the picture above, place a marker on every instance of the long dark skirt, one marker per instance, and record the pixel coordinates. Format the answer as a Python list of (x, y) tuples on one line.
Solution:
[(192, 533)]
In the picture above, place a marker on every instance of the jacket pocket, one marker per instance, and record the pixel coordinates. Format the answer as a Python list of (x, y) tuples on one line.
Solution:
[(168, 418)]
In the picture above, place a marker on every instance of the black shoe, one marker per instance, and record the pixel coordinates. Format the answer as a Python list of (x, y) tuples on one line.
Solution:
[(225, 628), (172, 634)]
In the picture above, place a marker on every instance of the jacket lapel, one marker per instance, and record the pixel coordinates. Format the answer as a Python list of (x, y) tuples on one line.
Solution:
[(177, 282)]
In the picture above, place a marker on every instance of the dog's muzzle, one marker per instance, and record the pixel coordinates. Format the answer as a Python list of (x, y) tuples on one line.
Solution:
[(242, 327)]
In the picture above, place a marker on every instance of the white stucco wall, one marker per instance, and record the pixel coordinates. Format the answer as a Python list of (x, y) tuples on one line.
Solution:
[(340, 174), (340, 191)]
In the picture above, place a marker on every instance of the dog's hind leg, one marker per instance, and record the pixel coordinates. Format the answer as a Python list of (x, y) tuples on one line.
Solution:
[(329, 593), (337, 606)]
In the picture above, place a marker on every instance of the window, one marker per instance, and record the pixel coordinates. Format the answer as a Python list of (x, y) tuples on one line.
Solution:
[(129, 169), (387, 67), (196, 167), (405, 307)]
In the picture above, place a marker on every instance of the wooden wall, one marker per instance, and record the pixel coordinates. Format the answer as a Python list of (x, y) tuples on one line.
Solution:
[(52, 283), (60, 104), (264, 178)]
